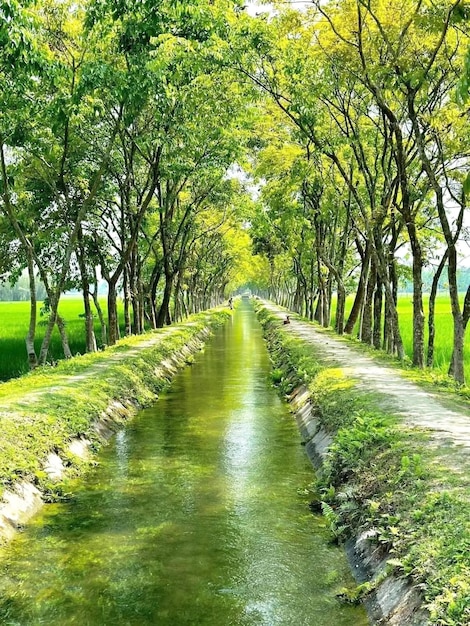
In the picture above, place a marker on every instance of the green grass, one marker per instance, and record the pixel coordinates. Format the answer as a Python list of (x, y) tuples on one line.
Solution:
[(443, 324), (14, 321), (385, 477)]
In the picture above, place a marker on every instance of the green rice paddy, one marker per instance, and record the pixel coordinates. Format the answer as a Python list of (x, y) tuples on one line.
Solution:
[(14, 318), (14, 321), (443, 325), (444, 331)]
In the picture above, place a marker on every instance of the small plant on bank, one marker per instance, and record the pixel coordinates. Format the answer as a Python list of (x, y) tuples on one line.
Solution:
[(276, 376)]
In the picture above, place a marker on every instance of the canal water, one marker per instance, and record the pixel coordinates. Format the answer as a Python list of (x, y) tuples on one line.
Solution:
[(196, 515)]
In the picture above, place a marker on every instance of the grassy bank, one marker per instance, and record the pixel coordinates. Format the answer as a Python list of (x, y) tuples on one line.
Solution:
[(379, 475), (42, 411)]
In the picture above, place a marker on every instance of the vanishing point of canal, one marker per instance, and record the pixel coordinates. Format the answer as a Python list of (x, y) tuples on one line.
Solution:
[(194, 516)]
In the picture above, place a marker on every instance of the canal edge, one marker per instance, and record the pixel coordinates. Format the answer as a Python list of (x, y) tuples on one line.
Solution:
[(391, 599), (22, 499)]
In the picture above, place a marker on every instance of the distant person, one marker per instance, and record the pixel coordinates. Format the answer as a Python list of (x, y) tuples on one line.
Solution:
[(230, 302), (287, 320)]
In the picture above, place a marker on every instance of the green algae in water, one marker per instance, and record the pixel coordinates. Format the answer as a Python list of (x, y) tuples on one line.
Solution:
[(192, 518)]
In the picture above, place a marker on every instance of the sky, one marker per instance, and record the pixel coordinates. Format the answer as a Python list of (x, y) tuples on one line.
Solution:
[(254, 7)]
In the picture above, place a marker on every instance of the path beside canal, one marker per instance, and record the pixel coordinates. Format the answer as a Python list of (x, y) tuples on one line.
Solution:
[(418, 407)]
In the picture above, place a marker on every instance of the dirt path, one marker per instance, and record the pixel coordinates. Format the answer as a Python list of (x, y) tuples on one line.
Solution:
[(417, 406)]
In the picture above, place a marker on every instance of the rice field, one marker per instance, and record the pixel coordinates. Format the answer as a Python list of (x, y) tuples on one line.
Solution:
[(14, 321), (444, 330)]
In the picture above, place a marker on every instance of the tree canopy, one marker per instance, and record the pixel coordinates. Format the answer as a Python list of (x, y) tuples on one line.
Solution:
[(184, 150)]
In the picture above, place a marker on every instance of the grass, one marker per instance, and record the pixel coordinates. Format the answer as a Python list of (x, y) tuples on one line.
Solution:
[(14, 321), (443, 324), (380, 475)]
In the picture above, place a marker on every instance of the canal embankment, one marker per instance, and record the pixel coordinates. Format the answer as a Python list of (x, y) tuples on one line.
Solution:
[(197, 513), (54, 419), (394, 491)]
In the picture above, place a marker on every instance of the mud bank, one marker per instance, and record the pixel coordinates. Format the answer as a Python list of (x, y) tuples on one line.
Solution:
[(390, 598), (148, 374)]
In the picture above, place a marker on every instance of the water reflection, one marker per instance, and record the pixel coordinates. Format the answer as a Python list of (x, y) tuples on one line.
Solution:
[(192, 517), (122, 454)]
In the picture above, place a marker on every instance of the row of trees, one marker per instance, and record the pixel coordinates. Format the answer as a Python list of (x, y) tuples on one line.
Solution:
[(124, 127), (118, 135), (369, 161), (19, 291)]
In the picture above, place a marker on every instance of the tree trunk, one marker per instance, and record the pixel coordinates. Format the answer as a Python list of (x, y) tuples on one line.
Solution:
[(340, 308), (140, 293), (365, 334), (127, 298), (391, 314), (164, 311), (46, 342), (465, 320), (136, 293), (89, 324), (48, 334), (418, 313), (152, 290), (318, 317), (63, 336), (312, 291), (360, 292), (113, 323), (90, 340), (432, 309), (466, 309), (99, 310), (30, 349), (341, 296), (456, 368), (185, 305), (178, 307), (377, 331)]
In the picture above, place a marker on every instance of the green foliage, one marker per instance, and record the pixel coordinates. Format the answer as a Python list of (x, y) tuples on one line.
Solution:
[(356, 445), (276, 376), (359, 593)]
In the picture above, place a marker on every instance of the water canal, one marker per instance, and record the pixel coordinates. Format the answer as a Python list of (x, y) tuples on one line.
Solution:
[(193, 516)]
